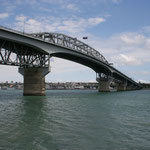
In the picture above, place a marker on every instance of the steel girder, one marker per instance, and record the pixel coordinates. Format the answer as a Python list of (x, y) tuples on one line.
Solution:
[(15, 54)]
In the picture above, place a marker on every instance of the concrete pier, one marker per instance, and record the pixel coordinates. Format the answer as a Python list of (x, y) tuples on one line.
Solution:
[(121, 87), (108, 84), (130, 88), (34, 80), (104, 85)]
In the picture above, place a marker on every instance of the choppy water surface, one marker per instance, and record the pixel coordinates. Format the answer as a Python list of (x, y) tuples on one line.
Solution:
[(75, 120)]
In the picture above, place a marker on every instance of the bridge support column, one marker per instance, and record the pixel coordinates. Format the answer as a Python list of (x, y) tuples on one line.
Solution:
[(104, 85), (130, 88), (34, 80), (121, 87)]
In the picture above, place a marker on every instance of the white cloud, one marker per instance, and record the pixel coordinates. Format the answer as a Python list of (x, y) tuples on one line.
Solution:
[(10, 73), (144, 81), (142, 72), (51, 24), (129, 52), (123, 59), (72, 25), (52, 1), (27, 24), (124, 49), (132, 38), (61, 66), (4, 15), (10, 6), (95, 21), (21, 18), (79, 24), (148, 43), (105, 1), (72, 7)]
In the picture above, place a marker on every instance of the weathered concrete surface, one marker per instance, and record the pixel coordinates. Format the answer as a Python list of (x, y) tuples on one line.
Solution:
[(121, 87), (109, 84), (104, 85), (34, 81)]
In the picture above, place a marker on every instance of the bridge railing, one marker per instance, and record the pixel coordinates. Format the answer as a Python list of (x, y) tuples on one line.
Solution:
[(10, 29)]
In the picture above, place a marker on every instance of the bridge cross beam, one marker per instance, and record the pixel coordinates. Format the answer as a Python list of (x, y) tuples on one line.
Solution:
[(5, 56), (20, 55)]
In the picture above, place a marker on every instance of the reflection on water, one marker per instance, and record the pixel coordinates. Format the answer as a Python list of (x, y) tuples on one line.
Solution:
[(32, 125), (72, 120)]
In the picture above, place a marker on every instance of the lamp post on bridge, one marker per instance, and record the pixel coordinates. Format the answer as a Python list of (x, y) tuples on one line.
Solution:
[(24, 21)]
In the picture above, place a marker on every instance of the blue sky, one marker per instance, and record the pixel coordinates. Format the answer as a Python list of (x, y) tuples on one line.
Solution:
[(118, 29)]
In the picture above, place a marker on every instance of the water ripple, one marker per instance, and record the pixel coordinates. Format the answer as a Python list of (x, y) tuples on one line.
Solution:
[(74, 120)]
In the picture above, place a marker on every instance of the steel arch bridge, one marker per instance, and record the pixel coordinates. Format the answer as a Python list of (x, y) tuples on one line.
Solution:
[(35, 50), (71, 43)]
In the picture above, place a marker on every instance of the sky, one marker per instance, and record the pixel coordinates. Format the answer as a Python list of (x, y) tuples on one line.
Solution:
[(118, 29)]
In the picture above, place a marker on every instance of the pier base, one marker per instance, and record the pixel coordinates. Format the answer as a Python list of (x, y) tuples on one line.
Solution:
[(104, 85), (34, 81), (121, 87)]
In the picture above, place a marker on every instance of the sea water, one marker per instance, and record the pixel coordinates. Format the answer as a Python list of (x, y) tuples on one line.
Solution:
[(75, 120)]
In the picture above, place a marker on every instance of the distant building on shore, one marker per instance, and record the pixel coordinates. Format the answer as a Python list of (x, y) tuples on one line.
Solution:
[(71, 85), (145, 85), (52, 86), (60, 85)]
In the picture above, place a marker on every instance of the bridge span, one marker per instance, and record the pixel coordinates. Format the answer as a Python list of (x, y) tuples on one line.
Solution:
[(32, 53)]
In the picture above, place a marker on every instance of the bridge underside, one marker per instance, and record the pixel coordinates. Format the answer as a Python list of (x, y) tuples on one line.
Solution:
[(78, 59)]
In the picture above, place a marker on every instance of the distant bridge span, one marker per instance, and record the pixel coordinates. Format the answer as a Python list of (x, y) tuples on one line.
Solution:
[(34, 50)]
